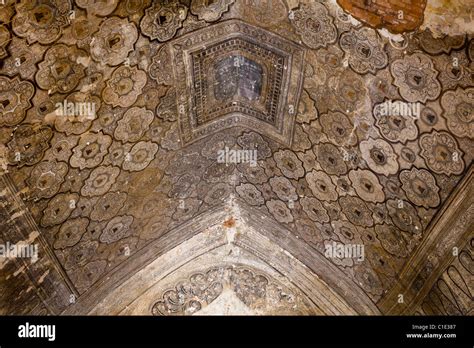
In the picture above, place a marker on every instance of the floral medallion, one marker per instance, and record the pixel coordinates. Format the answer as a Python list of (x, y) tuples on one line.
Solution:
[(404, 216), (41, 20), (367, 185), (458, 108), (420, 187), (114, 41), (90, 151), (356, 211), (365, 50), (314, 209), (98, 7), (210, 11), (140, 156), (100, 181), (250, 194), (46, 178), (321, 185), (117, 228), (61, 69), (395, 127), (124, 86), (283, 188), (416, 79), (441, 153), (338, 129), (59, 208), (28, 144), (70, 233), (280, 211), (15, 99), (162, 20), (314, 24), (379, 156), (289, 164), (134, 124)]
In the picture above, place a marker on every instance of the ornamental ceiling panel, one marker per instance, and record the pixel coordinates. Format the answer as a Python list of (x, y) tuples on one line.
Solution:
[(234, 74), (123, 121)]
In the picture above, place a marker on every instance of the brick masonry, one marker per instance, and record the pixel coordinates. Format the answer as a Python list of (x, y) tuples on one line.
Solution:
[(397, 16)]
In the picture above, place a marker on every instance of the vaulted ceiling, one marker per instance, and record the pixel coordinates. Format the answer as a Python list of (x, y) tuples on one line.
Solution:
[(135, 214)]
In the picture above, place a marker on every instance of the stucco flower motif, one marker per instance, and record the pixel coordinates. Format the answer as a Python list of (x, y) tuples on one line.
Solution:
[(163, 19), (321, 185), (134, 124), (100, 181), (108, 205), (404, 216), (420, 187), (280, 211), (41, 20), (28, 144), (283, 188), (459, 111), (330, 158), (365, 50), (416, 79), (81, 122), (61, 69), (46, 178), (367, 185), (117, 228), (22, 59), (59, 208), (356, 211), (391, 241), (379, 156), (314, 209), (250, 194), (90, 151), (289, 164), (254, 141), (210, 11), (98, 7), (338, 128), (70, 233), (124, 86), (140, 156), (441, 153), (314, 24), (397, 128), (15, 96), (114, 41)]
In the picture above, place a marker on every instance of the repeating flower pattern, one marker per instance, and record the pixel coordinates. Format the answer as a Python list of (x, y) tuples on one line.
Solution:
[(162, 20), (416, 78), (41, 21), (420, 187), (114, 41), (314, 24), (459, 111), (124, 86), (15, 97), (61, 69), (123, 178), (365, 50), (441, 153)]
